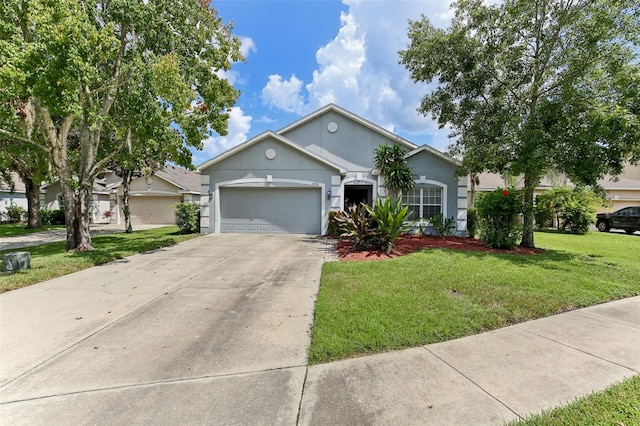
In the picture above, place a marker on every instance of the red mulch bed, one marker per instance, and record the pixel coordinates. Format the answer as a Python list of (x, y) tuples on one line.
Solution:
[(410, 243)]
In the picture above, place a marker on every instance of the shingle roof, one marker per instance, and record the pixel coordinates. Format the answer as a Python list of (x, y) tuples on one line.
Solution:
[(490, 181), (186, 180)]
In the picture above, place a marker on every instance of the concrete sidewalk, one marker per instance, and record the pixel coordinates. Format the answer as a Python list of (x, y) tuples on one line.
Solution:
[(215, 331), (486, 379)]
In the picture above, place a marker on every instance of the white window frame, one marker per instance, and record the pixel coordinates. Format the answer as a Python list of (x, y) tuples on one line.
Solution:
[(421, 185)]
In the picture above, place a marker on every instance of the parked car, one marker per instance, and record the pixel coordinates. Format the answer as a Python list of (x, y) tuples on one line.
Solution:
[(627, 219)]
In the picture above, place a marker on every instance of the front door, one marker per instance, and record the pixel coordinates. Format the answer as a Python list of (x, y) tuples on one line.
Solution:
[(356, 194)]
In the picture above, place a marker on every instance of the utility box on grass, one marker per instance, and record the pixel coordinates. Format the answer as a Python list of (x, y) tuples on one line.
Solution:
[(16, 261)]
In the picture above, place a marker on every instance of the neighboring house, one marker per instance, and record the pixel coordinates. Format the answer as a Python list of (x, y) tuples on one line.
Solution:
[(101, 200), (151, 198), (288, 181), (17, 196), (621, 192)]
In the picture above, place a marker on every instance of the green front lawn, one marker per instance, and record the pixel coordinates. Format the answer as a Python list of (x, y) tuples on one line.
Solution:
[(618, 405), (12, 229), (50, 260), (436, 295)]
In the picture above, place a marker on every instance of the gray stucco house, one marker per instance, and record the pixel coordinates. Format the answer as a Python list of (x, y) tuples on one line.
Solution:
[(287, 181)]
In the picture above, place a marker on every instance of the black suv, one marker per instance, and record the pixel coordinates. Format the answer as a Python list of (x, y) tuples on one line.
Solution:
[(627, 219)]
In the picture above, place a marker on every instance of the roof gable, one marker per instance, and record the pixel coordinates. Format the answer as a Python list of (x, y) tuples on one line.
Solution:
[(261, 137), (432, 151), (351, 116)]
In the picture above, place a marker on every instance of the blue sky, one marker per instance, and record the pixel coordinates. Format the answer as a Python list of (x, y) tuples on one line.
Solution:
[(302, 54)]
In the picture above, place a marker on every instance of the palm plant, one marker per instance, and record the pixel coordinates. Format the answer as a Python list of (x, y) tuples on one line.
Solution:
[(397, 175)]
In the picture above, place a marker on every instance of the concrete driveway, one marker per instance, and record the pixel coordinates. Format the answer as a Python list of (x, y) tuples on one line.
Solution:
[(176, 336)]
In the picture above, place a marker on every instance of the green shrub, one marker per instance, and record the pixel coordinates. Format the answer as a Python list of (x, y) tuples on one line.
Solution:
[(472, 222), (333, 227), (390, 218), (52, 217), (356, 223), (542, 213), (579, 211), (499, 211), (573, 208), (187, 217), (15, 213), (442, 226)]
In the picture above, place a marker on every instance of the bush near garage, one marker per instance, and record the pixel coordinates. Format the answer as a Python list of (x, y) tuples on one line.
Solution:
[(187, 217)]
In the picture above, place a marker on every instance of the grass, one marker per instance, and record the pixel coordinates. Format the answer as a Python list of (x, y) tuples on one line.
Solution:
[(50, 260), (13, 229), (617, 405), (436, 295)]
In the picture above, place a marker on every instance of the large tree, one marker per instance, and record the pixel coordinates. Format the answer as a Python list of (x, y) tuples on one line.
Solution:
[(27, 160), (74, 59), (535, 85)]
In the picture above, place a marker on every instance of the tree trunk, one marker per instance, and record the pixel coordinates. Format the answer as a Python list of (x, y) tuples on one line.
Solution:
[(33, 203), (472, 195), (76, 212), (527, 226), (126, 184)]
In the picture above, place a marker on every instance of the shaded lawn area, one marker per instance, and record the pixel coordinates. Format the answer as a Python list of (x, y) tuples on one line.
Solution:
[(50, 260), (616, 405), (13, 229), (439, 294)]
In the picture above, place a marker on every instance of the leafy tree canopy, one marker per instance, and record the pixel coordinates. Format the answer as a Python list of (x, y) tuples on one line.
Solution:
[(534, 85), (105, 74)]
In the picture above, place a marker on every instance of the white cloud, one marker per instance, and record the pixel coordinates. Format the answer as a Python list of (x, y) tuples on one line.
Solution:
[(247, 46), (284, 94), (239, 126), (359, 70)]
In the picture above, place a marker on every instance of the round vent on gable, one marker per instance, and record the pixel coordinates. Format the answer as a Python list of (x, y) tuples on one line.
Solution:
[(270, 153), (332, 127)]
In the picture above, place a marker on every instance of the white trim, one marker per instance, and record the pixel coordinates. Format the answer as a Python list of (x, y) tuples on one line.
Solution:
[(365, 181), (261, 137), (433, 151), (422, 183), (262, 183)]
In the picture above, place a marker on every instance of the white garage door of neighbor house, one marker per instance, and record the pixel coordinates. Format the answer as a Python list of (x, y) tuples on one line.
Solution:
[(153, 210), (270, 210)]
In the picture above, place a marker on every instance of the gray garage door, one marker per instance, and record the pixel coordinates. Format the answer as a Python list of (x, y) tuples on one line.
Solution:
[(270, 210)]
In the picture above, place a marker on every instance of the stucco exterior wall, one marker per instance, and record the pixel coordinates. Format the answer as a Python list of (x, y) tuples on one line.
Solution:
[(351, 141)]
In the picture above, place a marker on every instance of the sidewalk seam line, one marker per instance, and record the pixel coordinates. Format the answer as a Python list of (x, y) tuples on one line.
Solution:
[(152, 383), (575, 349), (304, 384), (474, 382)]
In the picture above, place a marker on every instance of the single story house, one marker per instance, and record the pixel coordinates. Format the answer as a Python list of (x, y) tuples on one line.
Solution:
[(623, 191), (287, 181), (151, 198)]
